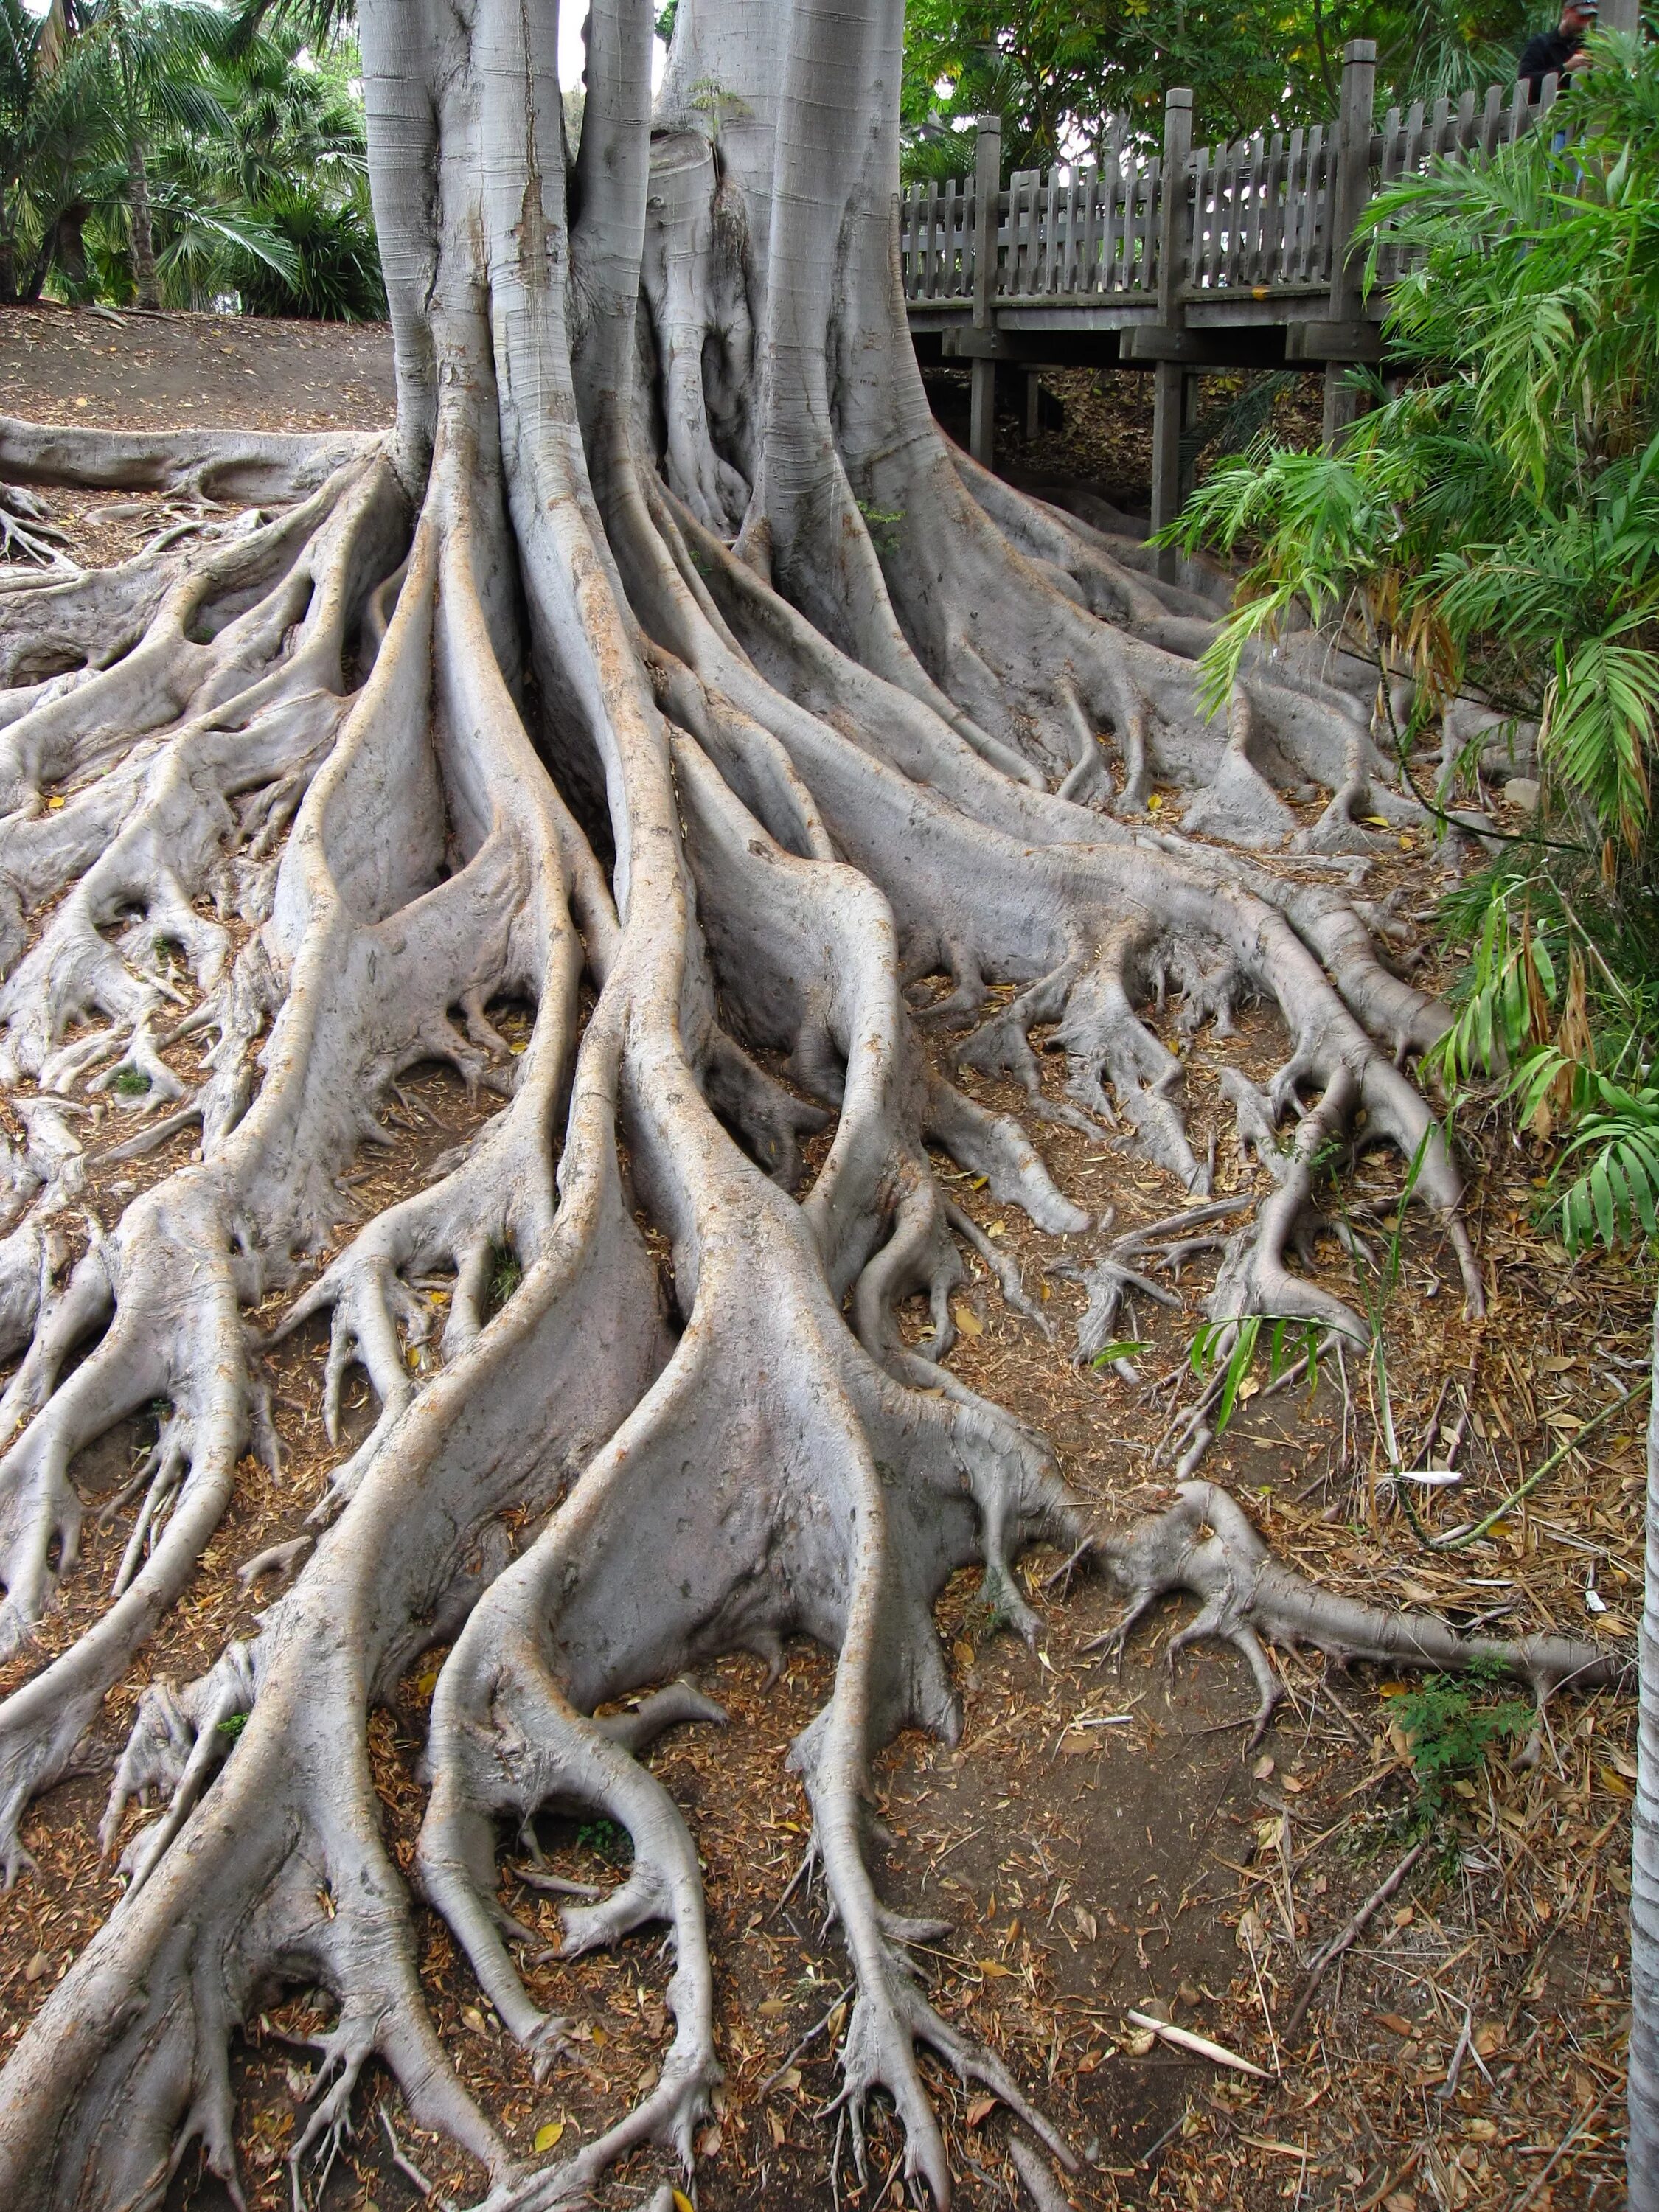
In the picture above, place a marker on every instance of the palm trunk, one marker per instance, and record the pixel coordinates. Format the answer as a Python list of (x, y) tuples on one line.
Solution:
[(143, 235)]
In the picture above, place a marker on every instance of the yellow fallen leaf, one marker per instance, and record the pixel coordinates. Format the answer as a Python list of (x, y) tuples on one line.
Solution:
[(1615, 1783), (682, 2202), (53, 804), (426, 1684), (547, 2133), (600, 2038), (962, 1653), (968, 1320), (994, 1968)]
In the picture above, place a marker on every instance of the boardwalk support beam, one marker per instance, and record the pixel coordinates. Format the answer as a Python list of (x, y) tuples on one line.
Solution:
[(987, 192), (1170, 381), (1351, 189)]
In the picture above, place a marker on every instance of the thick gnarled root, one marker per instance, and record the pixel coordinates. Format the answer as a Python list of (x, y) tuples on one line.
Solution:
[(1205, 1546)]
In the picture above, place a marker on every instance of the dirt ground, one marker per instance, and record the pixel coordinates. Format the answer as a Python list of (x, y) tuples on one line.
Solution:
[(1100, 1840), (1095, 426)]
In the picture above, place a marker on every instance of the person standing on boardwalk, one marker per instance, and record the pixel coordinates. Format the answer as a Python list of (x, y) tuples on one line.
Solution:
[(1559, 52)]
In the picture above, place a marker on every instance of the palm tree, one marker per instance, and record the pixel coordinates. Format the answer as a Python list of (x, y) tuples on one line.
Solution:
[(56, 133), (158, 54)]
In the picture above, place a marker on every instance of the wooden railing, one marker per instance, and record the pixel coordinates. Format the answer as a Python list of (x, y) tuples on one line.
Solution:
[(1255, 215)]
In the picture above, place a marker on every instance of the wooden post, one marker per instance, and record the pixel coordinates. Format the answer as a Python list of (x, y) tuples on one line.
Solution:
[(1033, 403), (1169, 380), (1351, 189), (987, 189)]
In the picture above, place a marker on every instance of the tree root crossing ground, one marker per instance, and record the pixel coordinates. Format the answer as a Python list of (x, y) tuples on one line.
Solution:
[(667, 731)]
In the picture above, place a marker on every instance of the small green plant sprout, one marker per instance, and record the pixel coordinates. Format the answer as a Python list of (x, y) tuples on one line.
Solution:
[(132, 1083), (232, 1725), (883, 524), (505, 1275), (1451, 1724), (718, 103), (606, 1841), (1125, 1347), (985, 1618), (1291, 1337)]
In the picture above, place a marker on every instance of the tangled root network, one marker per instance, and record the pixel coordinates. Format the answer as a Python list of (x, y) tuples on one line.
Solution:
[(591, 689)]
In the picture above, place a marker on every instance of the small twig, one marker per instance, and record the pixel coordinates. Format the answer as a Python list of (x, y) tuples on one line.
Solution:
[(805, 1867), (1580, 2127), (810, 2036), (1389, 2185), (1477, 1528), (1173, 2128), (881, 2198), (1356, 1928), (404, 2166)]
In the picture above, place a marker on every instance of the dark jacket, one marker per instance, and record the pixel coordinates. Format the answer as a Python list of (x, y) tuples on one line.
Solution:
[(1546, 55)]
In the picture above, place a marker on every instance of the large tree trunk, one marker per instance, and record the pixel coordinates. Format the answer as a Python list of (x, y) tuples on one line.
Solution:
[(1644, 2147), (593, 676)]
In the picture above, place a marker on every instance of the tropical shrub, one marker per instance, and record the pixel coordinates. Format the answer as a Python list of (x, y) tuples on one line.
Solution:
[(1493, 522)]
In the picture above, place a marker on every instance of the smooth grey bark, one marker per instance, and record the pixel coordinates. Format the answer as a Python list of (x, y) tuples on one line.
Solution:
[(1642, 2168), (593, 686)]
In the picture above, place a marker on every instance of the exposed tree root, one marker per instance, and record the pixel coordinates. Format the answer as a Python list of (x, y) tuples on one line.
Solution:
[(239, 466), (650, 715), (1205, 1545)]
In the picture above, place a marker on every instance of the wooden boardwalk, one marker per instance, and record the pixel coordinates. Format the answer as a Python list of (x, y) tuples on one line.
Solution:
[(1101, 263)]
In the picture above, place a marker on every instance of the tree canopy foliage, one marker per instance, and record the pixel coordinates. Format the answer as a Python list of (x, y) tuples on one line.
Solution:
[(1058, 73), (171, 153)]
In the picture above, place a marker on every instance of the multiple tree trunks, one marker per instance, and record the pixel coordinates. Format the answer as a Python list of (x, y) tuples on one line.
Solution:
[(666, 670)]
